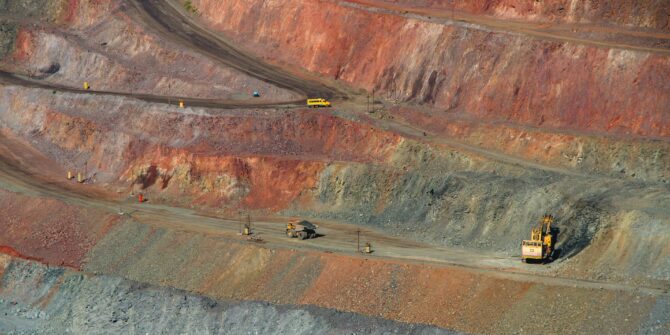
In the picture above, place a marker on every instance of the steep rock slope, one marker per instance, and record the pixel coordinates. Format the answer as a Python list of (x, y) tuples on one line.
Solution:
[(103, 44), (489, 75)]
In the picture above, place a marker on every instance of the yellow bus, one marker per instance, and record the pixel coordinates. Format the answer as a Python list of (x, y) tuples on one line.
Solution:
[(319, 102)]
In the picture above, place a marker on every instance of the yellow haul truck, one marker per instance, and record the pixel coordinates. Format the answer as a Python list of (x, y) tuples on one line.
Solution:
[(540, 247), (301, 229), (316, 103)]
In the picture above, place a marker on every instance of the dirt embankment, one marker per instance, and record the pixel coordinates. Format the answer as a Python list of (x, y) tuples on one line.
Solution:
[(272, 161), (258, 159), (210, 264), (40, 300), (611, 156), (447, 297), (48, 230), (628, 13), (100, 43), (491, 76)]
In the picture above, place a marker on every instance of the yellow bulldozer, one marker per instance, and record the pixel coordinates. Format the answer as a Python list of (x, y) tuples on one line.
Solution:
[(540, 247)]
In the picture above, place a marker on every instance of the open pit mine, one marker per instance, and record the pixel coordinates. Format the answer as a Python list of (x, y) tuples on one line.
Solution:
[(334, 167)]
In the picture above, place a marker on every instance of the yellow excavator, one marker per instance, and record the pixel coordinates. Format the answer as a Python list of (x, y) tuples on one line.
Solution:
[(540, 247)]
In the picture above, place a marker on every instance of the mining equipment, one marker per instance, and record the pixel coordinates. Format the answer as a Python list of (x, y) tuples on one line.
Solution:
[(318, 102), (540, 247), (256, 94), (301, 229), (86, 86), (368, 248)]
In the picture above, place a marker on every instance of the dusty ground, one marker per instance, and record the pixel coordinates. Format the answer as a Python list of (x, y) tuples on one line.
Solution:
[(480, 126)]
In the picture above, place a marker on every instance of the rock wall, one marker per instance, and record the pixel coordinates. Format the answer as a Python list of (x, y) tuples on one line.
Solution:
[(102, 45), (8, 32), (611, 156), (273, 162), (491, 76), (629, 13)]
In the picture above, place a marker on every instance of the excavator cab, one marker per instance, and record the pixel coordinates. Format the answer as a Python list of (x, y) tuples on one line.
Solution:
[(540, 247)]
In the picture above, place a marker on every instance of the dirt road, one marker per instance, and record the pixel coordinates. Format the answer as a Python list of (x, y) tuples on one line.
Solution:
[(18, 173), (19, 80)]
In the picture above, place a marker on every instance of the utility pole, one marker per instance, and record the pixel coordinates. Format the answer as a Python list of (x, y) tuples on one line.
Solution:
[(373, 100), (358, 240)]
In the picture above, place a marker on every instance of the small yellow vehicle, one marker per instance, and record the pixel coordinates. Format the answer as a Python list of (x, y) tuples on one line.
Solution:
[(318, 102)]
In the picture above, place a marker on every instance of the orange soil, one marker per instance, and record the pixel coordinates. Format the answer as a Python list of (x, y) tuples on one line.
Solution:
[(48, 230)]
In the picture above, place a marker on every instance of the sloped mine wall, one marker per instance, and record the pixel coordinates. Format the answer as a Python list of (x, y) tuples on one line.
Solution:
[(35, 299), (273, 162), (630, 13), (488, 75), (221, 268)]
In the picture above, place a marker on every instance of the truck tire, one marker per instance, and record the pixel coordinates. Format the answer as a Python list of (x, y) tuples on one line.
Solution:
[(302, 235)]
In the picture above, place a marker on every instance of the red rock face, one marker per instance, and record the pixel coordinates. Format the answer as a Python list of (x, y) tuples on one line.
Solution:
[(492, 76), (85, 13), (24, 46), (644, 14), (71, 11), (254, 182)]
